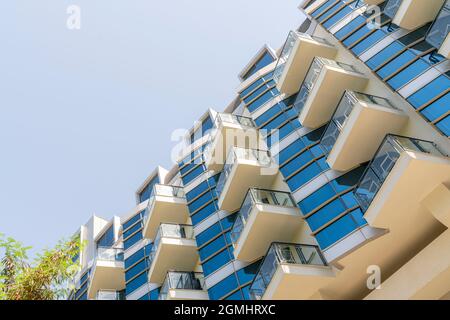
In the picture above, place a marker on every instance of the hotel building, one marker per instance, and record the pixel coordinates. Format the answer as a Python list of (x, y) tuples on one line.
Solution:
[(327, 176)]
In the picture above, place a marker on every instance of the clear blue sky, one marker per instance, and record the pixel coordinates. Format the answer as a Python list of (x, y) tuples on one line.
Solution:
[(86, 115)]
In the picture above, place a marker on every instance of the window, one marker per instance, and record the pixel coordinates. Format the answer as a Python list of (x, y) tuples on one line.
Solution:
[(132, 240), (204, 213), (193, 174), (136, 283), (225, 286), (202, 130), (265, 60), (107, 239), (323, 8), (262, 99), (147, 192), (340, 228), (216, 262), (132, 221), (212, 247)]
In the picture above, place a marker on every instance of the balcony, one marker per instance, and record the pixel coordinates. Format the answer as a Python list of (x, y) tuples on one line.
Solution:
[(438, 35), (183, 286), (174, 248), (402, 173), (110, 295), (244, 169), (108, 271), (266, 216), (297, 54), (324, 85), (291, 272), (167, 204), (411, 14), (357, 128), (230, 131)]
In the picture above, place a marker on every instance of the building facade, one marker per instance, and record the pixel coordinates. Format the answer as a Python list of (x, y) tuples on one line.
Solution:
[(327, 177)]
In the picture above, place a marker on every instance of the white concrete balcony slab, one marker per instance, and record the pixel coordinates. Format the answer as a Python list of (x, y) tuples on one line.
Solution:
[(265, 217), (174, 248), (297, 54), (322, 89), (166, 205), (357, 128), (183, 286), (411, 14), (107, 272), (244, 169), (230, 131), (403, 172), (291, 272)]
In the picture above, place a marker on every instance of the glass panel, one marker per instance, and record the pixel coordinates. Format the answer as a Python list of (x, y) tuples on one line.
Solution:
[(392, 7), (280, 253), (330, 136), (383, 162), (169, 191), (181, 281), (110, 295), (109, 254), (301, 98), (440, 28), (244, 121)]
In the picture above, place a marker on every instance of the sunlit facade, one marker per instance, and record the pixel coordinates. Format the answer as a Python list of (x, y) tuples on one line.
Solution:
[(329, 167)]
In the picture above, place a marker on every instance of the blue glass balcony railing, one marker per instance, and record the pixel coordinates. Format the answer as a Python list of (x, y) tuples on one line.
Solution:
[(383, 162), (109, 254), (110, 295), (283, 253), (440, 28), (392, 7), (181, 281), (342, 113), (254, 197)]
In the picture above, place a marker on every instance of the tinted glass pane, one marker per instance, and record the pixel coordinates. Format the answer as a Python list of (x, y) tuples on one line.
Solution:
[(216, 262), (317, 198), (212, 248), (223, 287), (204, 213), (396, 64), (408, 74), (304, 176), (384, 55), (430, 91), (444, 125), (437, 108), (208, 234), (327, 213)]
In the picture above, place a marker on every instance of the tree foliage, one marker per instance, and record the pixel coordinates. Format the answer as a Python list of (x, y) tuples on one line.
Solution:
[(46, 278)]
